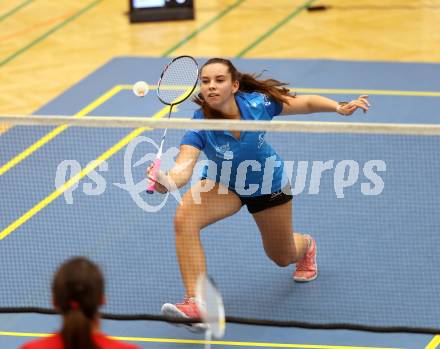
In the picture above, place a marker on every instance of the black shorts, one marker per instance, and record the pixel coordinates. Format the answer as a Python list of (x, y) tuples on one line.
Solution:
[(256, 204)]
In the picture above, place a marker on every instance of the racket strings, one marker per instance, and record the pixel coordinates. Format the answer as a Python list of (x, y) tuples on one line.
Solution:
[(178, 80)]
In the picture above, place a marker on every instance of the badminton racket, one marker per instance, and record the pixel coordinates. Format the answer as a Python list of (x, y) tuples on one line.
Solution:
[(210, 303), (176, 83)]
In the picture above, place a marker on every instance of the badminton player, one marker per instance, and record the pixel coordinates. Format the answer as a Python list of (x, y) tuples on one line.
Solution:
[(226, 93)]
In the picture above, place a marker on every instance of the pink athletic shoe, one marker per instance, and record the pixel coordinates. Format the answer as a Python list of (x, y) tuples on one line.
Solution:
[(188, 309), (307, 269)]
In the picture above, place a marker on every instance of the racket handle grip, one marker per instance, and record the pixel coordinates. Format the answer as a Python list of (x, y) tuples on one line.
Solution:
[(151, 187)]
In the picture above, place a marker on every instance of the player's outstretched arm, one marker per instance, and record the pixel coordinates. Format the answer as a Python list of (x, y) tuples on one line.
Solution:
[(308, 104)]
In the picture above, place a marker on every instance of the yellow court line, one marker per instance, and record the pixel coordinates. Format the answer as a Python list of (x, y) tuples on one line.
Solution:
[(367, 92), (333, 91), (433, 344), (51, 135), (202, 342), (163, 87), (104, 156), (24, 334)]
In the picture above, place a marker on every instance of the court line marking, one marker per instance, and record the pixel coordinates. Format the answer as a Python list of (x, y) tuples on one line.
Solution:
[(14, 10), (35, 27), (331, 91), (46, 34), (202, 28), (433, 344), (202, 342), (277, 26), (368, 92), (51, 135), (75, 179)]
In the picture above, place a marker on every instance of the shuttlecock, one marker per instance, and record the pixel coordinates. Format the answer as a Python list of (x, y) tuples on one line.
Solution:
[(140, 88)]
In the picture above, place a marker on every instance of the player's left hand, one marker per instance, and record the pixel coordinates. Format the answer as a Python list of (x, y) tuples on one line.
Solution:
[(360, 103)]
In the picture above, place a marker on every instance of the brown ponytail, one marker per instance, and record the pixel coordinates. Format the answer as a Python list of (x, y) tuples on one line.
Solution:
[(247, 83), (78, 289)]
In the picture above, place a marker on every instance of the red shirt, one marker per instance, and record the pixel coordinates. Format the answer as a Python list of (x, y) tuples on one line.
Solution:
[(55, 342)]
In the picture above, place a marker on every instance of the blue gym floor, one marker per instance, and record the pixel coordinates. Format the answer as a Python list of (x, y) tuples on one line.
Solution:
[(378, 255)]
